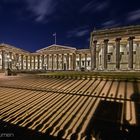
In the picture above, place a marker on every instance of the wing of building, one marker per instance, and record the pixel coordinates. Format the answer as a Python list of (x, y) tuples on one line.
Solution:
[(116, 48), (110, 49), (54, 57)]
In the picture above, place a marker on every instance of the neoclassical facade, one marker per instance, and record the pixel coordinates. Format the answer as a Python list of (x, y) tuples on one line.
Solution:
[(110, 49), (54, 57), (116, 49)]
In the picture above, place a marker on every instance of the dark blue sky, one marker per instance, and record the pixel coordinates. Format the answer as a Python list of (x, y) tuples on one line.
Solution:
[(30, 24)]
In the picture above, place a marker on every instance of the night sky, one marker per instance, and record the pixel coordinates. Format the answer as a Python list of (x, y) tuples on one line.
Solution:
[(30, 24)]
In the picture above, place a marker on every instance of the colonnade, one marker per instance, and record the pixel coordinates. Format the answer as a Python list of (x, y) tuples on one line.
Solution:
[(64, 61), (82, 57), (94, 56), (87, 59)]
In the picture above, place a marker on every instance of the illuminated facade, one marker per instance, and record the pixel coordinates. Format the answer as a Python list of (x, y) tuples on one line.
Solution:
[(54, 57), (110, 49), (116, 49)]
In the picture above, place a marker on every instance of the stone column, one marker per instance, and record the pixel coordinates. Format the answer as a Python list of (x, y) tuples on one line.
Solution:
[(10, 62), (118, 53), (42, 64), (93, 55), (97, 58), (38, 62), (67, 61), (79, 61), (47, 61), (26, 62), (62, 61), (71, 62), (57, 55), (17, 61), (17, 58), (21, 61), (130, 56), (52, 61), (105, 53), (74, 61), (3, 60), (30, 62), (85, 61), (137, 61), (34, 62)]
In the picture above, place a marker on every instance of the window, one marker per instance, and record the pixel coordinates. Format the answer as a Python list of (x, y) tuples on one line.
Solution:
[(111, 53), (108, 57), (77, 63), (121, 53), (134, 52), (88, 63), (83, 63)]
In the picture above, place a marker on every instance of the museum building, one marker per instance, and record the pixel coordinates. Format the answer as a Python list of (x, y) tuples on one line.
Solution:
[(109, 49)]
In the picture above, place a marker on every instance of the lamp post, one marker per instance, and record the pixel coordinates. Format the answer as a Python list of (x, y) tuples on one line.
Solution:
[(9, 60), (8, 71)]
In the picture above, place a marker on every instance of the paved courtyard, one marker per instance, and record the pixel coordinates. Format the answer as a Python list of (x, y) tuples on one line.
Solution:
[(69, 108)]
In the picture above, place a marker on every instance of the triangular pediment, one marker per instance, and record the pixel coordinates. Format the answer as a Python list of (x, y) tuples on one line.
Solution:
[(57, 48), (11, 48)]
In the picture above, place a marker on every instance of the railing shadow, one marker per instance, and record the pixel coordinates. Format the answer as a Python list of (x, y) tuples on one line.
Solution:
[(136, 98), (14, 132), (107, 121)]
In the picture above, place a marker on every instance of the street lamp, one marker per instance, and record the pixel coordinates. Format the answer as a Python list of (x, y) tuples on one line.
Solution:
[(8, 71), (9, 60)]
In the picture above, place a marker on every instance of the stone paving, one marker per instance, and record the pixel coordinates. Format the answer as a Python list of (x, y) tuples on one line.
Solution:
[(67, 108)]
